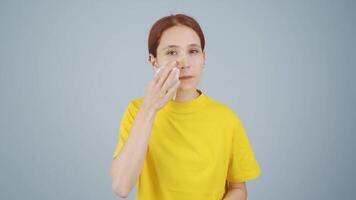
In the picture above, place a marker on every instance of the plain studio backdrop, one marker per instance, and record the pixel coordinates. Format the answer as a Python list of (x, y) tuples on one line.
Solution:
[(69, 69)]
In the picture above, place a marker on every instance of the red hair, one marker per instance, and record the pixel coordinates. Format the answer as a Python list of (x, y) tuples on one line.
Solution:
[(167, 22)]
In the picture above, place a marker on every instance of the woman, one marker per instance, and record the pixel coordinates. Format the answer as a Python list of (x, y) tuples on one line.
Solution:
[(190, 147)]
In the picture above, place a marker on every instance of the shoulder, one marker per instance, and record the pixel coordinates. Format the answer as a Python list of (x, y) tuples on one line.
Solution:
[(132, 107), (136, 103)]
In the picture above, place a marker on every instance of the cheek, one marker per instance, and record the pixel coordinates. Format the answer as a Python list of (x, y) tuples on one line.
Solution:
[(198, 71), (163, 60), (197, 61)]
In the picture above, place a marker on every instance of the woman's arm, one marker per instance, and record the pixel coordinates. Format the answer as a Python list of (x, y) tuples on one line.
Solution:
[(126, 167), (236, 191)]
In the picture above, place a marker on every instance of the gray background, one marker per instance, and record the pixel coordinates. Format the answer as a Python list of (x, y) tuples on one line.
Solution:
[(69, 69)]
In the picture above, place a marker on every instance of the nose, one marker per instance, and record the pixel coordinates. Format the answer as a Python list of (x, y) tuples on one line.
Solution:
[(183, 62)]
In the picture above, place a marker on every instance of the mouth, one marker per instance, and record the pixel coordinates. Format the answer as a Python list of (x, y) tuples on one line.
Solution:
[(185, 77)]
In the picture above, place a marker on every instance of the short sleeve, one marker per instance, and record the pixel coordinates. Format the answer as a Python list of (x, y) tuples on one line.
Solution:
[(242, 165), (125, 126)]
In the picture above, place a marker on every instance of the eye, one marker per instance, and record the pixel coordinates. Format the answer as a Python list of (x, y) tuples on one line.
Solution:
[(194, 51), (171, 52)]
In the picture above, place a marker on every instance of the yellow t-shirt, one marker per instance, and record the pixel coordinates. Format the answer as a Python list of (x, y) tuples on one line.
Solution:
[(193, 149)]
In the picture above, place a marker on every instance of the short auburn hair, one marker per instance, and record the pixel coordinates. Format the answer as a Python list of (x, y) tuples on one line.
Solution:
[(167, 22)]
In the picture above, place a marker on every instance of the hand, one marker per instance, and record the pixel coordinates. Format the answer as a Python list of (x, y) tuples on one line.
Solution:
[(162, 87)]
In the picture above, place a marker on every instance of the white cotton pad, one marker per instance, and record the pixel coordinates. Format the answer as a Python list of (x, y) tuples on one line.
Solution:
[(177, 77)]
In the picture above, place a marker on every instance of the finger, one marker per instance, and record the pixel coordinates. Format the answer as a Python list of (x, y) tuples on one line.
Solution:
[(163, 74), (156, 77), (160, 68), (157, 72), (172, 90), (172, 78)]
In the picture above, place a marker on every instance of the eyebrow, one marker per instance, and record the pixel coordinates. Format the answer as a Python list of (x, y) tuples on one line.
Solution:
[(176, 46)]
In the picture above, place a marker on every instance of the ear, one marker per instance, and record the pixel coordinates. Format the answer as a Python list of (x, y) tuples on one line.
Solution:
[(153, 62)]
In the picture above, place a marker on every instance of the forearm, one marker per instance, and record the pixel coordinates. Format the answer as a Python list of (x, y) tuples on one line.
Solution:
[(128, 164), (235, 194)]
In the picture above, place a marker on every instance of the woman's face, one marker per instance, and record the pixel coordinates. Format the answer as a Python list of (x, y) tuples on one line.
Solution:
[(182, 44)]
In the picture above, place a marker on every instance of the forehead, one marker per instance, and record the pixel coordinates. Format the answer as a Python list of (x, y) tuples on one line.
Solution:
[(179, 35)]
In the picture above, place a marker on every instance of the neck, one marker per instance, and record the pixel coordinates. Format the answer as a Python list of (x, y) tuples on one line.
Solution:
[(186, 95)]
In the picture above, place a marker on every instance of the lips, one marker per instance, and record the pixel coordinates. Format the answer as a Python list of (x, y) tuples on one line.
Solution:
[(185, 77)]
